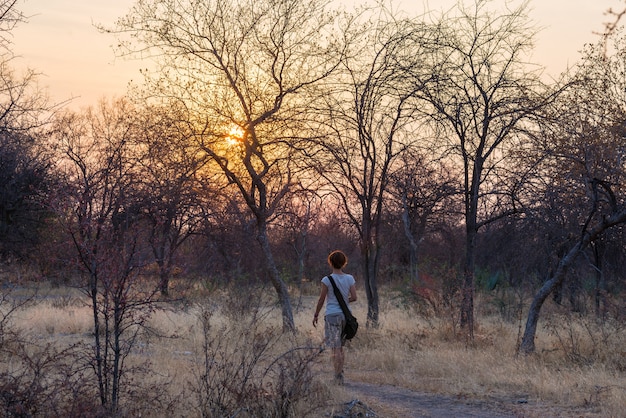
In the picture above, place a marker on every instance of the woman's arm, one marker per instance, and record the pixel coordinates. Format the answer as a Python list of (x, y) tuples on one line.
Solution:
[(320, 303), (352, 295)]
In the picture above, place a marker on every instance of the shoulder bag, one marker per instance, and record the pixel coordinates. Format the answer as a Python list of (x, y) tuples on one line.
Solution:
[(352, 325)]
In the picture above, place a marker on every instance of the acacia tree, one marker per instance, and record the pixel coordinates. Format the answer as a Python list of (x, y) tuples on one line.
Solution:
[(299, 215), (585, 160), (96, 205), (25, 179), (423, 191), (242, 69), (369, 117), (480, 92), (24, 161), (170, 175)]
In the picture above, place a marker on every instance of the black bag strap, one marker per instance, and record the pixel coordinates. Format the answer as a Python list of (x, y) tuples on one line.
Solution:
[(340, 299)]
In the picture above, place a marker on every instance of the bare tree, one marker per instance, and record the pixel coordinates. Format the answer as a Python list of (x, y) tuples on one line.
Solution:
[(96, 205), (424, 193), (24, 160), (242, 70), (25, 179), (170, 175), (298, 217), (23, 105), (480, 93), (369, 118), (585, 161)]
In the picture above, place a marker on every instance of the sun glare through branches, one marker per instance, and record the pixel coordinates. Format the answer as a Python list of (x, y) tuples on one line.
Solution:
[(235, 136)]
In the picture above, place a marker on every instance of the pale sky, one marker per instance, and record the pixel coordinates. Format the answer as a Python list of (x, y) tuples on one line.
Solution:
[(60, 41)]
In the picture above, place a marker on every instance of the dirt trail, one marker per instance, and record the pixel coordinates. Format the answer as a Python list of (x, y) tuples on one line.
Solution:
[(391, 401), (386, 401)]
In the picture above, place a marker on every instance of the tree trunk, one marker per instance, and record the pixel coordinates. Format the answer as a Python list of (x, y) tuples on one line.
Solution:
[(467, 303), (370, 256), (164, 277), (277, 282), (472, 186), (467, 287), (98, 358), (163, 258), (117, 351), (600, 290), (413, 245), (527, 345)]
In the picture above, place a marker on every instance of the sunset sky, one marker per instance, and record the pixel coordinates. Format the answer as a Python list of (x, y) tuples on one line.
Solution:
[(77, 61)]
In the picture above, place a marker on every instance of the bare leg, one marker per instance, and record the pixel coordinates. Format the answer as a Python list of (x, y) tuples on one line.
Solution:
[(338, 359)]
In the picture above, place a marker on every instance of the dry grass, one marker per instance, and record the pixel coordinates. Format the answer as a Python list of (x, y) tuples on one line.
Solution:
[(579, 363)]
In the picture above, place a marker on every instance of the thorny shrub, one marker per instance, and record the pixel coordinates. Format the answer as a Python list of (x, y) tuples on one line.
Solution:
[(43, 381), (586, 340), (247, 369)]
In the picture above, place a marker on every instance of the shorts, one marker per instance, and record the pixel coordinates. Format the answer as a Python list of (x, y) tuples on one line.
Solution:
[(333, 325)]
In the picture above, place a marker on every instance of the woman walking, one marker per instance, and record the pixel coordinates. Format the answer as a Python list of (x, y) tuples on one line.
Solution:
[(334, 319)]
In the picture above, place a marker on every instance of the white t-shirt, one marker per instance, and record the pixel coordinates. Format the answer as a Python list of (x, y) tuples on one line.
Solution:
[(344, 282)]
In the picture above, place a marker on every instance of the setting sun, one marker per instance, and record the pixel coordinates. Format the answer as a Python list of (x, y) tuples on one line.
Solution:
[(235, 135)]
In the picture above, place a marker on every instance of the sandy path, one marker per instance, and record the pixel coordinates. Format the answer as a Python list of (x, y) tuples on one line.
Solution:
[(392, 401), (366, 400)]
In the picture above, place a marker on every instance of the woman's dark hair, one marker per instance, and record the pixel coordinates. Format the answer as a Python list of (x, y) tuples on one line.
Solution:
[(337, 259)]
